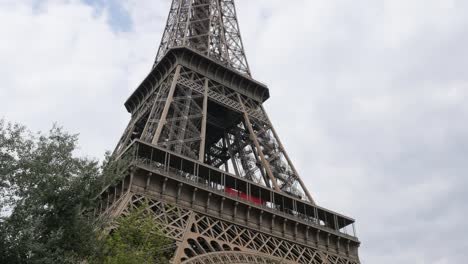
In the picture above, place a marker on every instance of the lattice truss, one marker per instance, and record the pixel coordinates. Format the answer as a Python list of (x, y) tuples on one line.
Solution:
[(203, 239), (208, 26), (171, 219), (181, 131), (232, 257), (204, 120), (146, 118)]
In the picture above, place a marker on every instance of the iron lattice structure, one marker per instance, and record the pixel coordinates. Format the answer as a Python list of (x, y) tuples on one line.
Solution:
[(208, 26), (206, 158)]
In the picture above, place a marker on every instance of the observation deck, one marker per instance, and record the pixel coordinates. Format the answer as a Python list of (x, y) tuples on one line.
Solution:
[(167, 176)]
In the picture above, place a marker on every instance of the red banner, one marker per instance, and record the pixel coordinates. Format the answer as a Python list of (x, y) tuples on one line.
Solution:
[(243, 195)]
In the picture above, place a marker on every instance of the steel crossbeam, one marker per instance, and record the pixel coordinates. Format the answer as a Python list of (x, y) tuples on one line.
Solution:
[(207, 160)]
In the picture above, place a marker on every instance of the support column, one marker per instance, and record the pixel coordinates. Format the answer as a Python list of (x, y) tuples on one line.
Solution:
[(181, 246), (170, 98), (309, 196), (153, 109), (234, 162), (257, 145), (201, 155), (123, 203), (125, 138)]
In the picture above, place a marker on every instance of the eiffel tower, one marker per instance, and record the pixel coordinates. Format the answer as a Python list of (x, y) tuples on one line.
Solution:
[(206, 160)]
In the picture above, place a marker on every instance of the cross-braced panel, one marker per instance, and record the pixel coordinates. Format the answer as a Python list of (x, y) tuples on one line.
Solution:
[(194, 107), (182, 129), (255, 241), (145, 119), (245, 147), (205, 238), (156, 110), (209, 27), (171, 219), (274, 152), (233, 257)]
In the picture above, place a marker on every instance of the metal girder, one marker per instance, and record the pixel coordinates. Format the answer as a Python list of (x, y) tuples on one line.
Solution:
[(179, 118), (201, 104), (202, 239), (208, 26)]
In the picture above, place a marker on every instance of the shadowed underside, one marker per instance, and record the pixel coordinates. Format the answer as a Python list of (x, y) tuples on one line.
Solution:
[(234, 258)]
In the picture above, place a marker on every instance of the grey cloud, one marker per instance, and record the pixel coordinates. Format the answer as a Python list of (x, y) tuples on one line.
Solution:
[(381, 106)]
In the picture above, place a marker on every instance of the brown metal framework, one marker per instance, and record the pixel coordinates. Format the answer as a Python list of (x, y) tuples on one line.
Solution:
[(208, 26), (189, 200), (206, 157)]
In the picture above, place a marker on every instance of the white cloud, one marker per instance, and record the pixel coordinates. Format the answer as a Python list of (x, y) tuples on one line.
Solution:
[(369, 97), (64, 63)]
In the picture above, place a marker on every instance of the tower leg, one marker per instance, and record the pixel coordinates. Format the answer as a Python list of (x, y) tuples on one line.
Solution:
[(179, 253)]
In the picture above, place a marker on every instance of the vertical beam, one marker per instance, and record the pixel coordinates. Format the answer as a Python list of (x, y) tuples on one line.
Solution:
[(221, 207), (187, 24), (179, 190), (132, 175), (162, 120), (125, 137), (241, 44), (208, 200), (317, 237), (287, 157), (261, 169), (257, 145), (181, 134), (153, 109), (201, 155), (148, 181), (225, 54), (194, 196), (210, 36), (124, 202), (167, 36), (272, 223), (260, 220), (163, 189), (226, 163), (234, 161), (184, 243), (338, 247)]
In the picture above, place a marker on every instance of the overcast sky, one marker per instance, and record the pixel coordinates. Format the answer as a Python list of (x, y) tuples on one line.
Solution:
[(370, 98)]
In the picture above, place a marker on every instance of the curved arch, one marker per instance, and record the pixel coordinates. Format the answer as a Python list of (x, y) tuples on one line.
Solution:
[(234, 257)]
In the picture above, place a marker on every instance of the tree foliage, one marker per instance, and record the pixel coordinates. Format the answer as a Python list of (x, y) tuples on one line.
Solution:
[(44, 191), (136, 240)]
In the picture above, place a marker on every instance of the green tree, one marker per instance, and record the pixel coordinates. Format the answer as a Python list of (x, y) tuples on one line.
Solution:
[(45, 191), (137, 239)]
